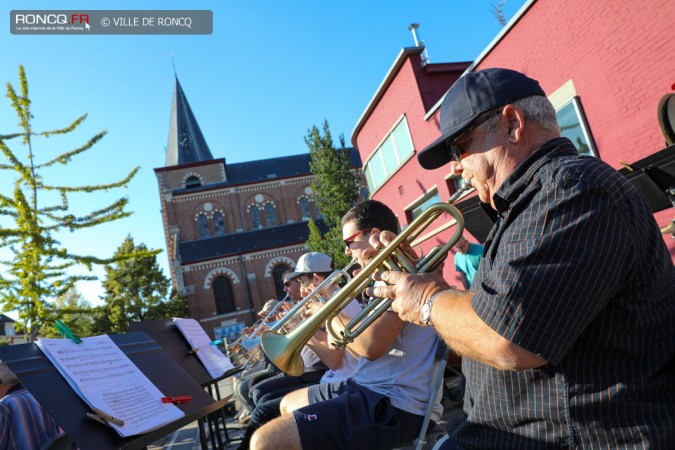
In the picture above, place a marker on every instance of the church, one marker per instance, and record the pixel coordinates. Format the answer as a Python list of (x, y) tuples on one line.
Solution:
[(232, 230)]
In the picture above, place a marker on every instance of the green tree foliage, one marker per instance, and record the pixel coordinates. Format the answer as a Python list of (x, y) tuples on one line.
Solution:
[(136, 290), (335, 191), (37, 267), (74, 311)]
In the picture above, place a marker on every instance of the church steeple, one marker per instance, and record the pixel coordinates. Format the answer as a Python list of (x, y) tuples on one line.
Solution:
[(186, 141)]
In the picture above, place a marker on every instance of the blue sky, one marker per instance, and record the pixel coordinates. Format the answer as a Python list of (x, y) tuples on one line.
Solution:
[(269, 71)]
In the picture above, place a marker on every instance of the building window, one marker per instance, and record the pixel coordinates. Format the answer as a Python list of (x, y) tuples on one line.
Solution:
[(218, 223), (223, 295), (278, 276), (306, 209), (254, 214), (270, 214), (192, 182), (423, 204), (203, 225), (390, 156), (573, 126)]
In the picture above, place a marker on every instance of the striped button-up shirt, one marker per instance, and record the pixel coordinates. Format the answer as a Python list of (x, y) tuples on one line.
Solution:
[(575, 271), (24, 425)]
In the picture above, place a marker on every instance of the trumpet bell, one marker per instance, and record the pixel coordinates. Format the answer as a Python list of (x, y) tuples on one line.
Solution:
[(282, 353), (668, 229)]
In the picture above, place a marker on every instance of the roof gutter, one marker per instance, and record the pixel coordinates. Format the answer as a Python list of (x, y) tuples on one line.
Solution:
[(379, 93)]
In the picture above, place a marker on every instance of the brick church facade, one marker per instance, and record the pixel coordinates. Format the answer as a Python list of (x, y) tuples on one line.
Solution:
[(231, 230)]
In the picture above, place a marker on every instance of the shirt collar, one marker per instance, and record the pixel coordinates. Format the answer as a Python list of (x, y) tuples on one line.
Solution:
[(521, 177)]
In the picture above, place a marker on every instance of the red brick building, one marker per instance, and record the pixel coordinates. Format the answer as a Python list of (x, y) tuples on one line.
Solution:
[(231, 230), (604, 66)]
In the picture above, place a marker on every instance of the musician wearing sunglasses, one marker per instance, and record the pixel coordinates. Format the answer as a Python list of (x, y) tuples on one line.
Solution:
[(243, 383), (383, 405), (567, 336)]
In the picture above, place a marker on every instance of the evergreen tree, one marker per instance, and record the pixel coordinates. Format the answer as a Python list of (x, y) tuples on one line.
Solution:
[(74, 311), (335, 191), (39, 268), (136, 290)]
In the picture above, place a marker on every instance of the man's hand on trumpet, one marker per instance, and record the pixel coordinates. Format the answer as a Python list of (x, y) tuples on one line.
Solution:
[(409, 291)]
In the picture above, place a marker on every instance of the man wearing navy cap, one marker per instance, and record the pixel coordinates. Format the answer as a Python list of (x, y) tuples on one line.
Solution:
[(568, 334)]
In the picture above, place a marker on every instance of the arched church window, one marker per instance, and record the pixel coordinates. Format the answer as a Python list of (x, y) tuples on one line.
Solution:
[(270, 214), (203, 225), (305, 209), (223, 295), (192, 182), (278, 276), (254, 214), (219, 223)]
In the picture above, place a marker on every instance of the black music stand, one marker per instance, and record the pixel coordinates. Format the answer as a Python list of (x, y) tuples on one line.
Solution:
[(478, 217), (654, 178), (55, 395), (170, 338)]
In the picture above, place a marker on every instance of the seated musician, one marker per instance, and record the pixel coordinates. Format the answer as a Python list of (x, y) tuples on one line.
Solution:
[(341, 363), (312, 268), (24, 424), (567, 336), (383, 405), (242, 383)]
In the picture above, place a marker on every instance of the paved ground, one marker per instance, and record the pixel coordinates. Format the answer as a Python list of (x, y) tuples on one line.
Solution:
[(187, 438)]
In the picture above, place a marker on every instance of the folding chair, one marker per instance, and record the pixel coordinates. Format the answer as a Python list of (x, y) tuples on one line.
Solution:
[(58, 442), (444, 352)]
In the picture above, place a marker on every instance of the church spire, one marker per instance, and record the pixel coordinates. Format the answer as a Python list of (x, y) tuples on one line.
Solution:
[(186, 142)]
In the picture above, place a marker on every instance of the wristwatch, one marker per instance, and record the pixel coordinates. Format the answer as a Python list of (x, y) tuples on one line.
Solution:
[(426, 309)]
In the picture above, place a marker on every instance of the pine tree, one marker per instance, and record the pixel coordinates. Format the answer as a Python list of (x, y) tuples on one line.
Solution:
[(40, 268), (335, 191), (75, 311), (136, 290)]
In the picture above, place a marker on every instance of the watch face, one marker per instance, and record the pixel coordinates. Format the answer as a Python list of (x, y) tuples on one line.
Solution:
[(426, 310)]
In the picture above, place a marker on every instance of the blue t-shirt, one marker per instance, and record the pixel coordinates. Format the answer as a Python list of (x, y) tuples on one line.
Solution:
[(467, 263)]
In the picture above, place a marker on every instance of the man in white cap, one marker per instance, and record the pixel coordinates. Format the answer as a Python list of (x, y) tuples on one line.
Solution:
[(24, 425)]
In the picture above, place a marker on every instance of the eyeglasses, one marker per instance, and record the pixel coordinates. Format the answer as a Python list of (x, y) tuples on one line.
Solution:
[(454, 150), (350, 240)]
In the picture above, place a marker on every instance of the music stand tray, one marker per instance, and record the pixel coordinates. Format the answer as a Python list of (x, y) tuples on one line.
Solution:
[(55, 395), (654, 178), (169, 337), (478, 217)]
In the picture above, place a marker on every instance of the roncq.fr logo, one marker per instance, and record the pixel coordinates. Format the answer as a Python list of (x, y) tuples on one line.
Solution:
[(50, 19)]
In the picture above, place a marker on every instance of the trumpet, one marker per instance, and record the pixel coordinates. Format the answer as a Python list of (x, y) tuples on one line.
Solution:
[(258, 324), (283, 350), (299, 308), (252, 341)]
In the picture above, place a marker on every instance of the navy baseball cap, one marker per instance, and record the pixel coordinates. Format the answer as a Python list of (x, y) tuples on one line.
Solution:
[(472, 95)]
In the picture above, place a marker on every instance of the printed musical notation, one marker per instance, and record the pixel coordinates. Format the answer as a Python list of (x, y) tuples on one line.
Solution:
[(214, 361), (105, 378)]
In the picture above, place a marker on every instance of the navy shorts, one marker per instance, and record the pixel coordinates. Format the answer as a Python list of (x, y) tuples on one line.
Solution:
[(353, 417)]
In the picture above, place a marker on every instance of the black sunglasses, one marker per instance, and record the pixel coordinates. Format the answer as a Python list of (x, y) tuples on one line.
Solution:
[(453, 149)]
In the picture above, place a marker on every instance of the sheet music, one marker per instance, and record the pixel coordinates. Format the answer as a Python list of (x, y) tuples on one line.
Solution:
[(214, 361), (105, 378)]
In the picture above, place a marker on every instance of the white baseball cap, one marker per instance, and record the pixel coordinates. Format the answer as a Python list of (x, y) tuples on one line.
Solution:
[(312, 262)]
